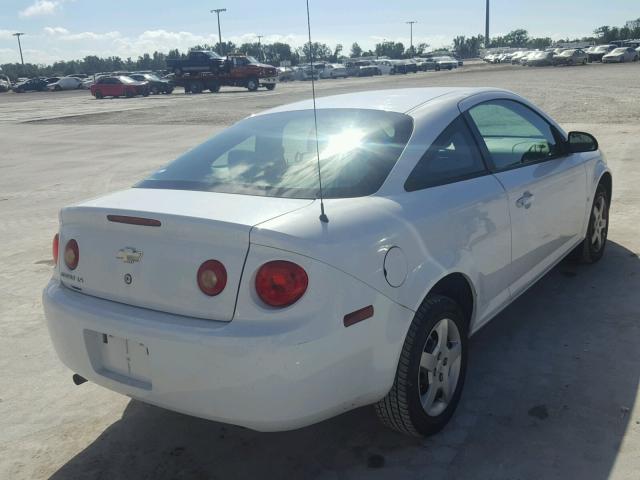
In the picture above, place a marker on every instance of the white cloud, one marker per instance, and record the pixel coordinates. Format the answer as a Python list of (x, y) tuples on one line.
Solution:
[(6, 34), (56, 31), (41, 7)]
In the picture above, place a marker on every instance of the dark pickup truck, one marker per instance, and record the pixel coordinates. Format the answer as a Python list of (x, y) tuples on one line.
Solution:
[(196, 61), (215, 72)]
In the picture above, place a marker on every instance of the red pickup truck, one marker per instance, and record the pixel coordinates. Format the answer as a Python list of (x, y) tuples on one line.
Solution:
[(234, 70)]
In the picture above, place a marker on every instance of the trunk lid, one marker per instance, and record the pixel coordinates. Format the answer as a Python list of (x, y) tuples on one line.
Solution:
[(156, 266)]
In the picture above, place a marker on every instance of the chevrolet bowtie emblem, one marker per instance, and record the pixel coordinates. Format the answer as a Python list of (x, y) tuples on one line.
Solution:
[(129, 255)]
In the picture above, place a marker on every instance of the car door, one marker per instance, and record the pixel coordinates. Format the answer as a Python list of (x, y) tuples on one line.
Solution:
[(460, 213), (545, 186)]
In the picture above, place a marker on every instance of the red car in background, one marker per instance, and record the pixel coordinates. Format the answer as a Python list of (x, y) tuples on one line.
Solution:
[(119, 86)]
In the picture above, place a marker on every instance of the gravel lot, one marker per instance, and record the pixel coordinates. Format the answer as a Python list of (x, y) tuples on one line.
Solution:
[(553, 381)]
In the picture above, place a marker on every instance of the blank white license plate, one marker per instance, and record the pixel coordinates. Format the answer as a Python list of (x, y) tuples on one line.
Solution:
[(121, 359)]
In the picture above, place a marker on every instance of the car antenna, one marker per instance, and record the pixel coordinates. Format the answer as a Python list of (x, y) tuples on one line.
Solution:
[(323, 216)]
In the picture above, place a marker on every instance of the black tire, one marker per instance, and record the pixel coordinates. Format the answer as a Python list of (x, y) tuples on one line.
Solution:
[(155, 90), (57, 88), (129, 94), (270, 86), (214, 87), (145, 93), (196, 87), (99, 94), (252, 84), (402, 409), (590, 251)]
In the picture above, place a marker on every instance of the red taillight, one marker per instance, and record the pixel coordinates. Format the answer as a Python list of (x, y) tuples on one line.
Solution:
[(71, 254), (56, 246), (212, 277), (281, 283)]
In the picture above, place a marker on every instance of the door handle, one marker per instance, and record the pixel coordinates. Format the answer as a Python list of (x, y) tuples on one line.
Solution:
[(525, 200)]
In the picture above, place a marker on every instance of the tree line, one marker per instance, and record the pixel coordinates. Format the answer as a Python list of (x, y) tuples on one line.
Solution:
[(277, 52)]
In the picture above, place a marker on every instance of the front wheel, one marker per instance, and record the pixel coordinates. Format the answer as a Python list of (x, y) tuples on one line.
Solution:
[(99, 94), (431, 370), (592, 248), (270, 86), (252, 84)]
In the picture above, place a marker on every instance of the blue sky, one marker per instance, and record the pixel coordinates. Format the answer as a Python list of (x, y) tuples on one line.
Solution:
[(66, 29)]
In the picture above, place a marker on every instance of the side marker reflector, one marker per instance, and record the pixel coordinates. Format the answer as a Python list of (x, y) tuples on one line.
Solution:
[(358, 316)]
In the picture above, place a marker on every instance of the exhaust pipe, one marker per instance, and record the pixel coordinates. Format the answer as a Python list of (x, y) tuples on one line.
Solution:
[(77, 379)]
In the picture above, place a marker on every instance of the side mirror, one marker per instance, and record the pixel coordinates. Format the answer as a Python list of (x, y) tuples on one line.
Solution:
[(582, 142)]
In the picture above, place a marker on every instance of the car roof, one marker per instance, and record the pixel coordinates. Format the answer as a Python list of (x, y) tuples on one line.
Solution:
[(393, 100)]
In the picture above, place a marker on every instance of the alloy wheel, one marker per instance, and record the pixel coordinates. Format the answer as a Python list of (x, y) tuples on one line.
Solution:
[(440, 367), (599, 223)]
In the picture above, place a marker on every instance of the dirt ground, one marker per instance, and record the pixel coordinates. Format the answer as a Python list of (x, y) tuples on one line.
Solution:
[(552, 384)]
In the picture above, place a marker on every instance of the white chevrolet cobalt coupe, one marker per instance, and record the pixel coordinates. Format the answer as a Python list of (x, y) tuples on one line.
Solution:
[(216, 288)]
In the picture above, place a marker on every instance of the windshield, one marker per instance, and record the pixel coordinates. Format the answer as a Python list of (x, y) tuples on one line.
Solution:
[(619, 50), (252, 59), (126, 80), (275, 155), (601, 49), (567, 53)]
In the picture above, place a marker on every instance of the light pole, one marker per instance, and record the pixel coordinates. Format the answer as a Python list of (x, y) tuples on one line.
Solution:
[(411, 22), (217, 11), (17, 34), (260, 46), (486, 28)]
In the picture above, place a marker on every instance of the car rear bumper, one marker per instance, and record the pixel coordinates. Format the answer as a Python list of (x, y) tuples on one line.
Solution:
[(266, 378)]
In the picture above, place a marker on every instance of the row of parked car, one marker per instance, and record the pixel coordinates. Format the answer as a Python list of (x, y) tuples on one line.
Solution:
[(567, 56), (367, 68), (153, 83)]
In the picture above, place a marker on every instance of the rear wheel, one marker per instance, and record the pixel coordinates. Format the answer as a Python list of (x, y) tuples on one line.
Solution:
[(154, 90), (431, 370), (129, 94), (196, 87), (99, 94), (592, 248)]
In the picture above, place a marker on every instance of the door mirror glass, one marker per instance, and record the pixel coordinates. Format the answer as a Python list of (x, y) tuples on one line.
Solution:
[(582, 142)]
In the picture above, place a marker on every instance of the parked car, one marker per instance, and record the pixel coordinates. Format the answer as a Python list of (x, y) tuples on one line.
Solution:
[(5, 83), (621, 55), (368, 71), (119, 86), (428, 64), (541, 59), (384, 66), (51, 80), (305, 72), (399, 67), (65, 83), (517, 57), (154, 285), (156, 85), (412, 66), (572, 56), (446, 63), (334, 70), (286, 74), (595, 54), (524, 60), (30, 85)]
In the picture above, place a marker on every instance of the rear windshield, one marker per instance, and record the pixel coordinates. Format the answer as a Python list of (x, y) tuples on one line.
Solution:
[(275, 155)]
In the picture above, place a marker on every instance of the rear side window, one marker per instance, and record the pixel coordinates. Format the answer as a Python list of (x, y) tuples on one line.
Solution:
[(454, 156), (514, 134)]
